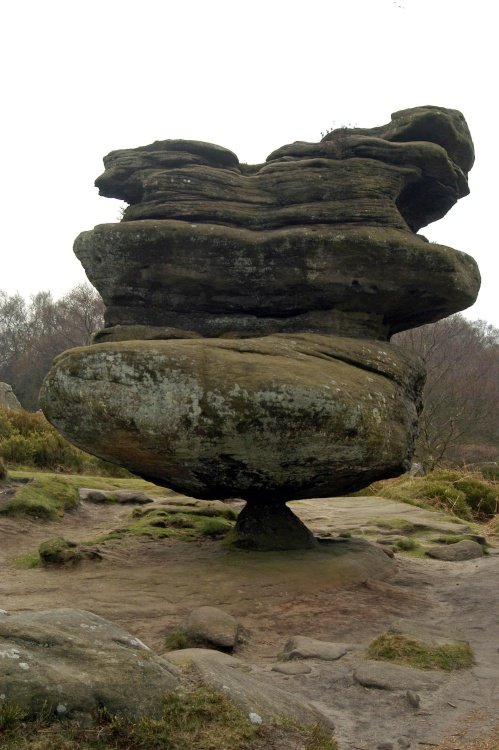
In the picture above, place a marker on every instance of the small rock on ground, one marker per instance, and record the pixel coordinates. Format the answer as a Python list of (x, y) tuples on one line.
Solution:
[(464, 550), (213, 625), (386, 676), (301, 647)]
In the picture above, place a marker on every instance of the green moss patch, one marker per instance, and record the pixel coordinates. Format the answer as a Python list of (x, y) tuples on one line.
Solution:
[(48, 495), (406, 544), (397, 524), (161, 523), (44, 497), (400, 649), (59, 551)]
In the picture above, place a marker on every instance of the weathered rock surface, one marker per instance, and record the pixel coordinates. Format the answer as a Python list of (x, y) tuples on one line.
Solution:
[(214, 625), (292, 668), (464, 550), (72, 662), (216, 280), (302, 647), (384, 676), (123, 497), (271, 526), (247, 687), (274, 418), (321, 238), (8, 399), (244, 309)]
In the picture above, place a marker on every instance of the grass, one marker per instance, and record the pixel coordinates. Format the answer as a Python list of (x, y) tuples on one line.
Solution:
[(179, 638), (400, 649), (27, 561), (202, 719), (470, 497), (58, 551), (28, 439), (453, 538), (98, 482)]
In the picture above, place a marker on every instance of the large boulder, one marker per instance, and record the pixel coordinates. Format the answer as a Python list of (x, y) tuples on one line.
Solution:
[(71, 662), (270, 419), (8, 399)]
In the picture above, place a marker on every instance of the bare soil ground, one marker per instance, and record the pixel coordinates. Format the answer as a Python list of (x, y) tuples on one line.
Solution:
[(148, 586)]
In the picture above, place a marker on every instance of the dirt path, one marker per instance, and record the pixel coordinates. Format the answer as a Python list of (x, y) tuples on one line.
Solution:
[(148, 586)]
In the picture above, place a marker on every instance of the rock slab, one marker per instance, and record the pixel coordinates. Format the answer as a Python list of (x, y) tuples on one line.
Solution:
[(247, 687), (464, 550), (302, 647), (385, 676), (73, 662)]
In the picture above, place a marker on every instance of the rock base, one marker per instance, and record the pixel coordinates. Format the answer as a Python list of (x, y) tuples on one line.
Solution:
[(271, 527)]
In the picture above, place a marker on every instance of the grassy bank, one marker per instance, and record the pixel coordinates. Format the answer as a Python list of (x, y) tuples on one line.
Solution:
[(470, 497), (198, 720), (27, 439)]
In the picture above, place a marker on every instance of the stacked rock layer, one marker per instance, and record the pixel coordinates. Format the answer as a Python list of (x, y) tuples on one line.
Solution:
[(249, 308)]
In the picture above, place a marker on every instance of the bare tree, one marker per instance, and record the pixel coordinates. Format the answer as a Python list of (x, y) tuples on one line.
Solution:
[(33, 333), (461, 395)]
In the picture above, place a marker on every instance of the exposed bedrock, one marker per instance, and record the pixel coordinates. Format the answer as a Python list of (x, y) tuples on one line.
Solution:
[(268, 419)]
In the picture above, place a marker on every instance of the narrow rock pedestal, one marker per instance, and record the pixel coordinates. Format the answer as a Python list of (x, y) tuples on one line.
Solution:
[(268, 526)]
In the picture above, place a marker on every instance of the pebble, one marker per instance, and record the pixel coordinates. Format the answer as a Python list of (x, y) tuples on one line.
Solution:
[(413, 699)]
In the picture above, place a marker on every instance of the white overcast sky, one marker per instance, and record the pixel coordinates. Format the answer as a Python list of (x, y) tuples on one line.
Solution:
[(80, 79)]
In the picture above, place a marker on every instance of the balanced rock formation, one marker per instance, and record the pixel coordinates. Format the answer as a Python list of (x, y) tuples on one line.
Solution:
[(249, 307)]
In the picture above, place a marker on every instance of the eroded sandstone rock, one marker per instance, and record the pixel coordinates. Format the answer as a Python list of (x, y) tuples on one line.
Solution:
[(248, 309), (268, 419), (320, 238), (70, 661)]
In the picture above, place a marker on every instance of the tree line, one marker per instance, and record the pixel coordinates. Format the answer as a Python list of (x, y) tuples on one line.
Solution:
[(33, 332), (459, 423)]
